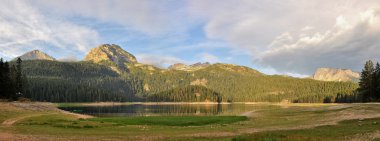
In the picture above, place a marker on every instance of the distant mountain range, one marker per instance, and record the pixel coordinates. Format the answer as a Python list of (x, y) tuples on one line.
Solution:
[(115, 54), (109, 73)]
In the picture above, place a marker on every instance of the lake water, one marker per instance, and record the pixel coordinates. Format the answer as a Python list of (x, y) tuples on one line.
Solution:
[(162, 110)]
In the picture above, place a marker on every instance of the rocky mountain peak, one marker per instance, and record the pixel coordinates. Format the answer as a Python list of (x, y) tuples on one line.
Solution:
[(35, 55), (112, 53), (333, 74)]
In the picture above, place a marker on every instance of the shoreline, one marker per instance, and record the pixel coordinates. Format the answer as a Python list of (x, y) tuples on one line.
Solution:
[(193, 103), (141, 103)]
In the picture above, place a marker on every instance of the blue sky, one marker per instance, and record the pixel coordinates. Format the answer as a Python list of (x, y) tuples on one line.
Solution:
[(276, 37)]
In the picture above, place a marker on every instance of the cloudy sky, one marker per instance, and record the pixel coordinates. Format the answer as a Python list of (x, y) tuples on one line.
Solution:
[(291, 37)]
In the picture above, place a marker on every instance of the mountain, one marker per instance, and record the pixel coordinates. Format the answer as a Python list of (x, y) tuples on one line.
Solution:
[(193, 67), (332, 74), (110, 53), (200, 65), (35, 55), (178, 66), (109, 73)]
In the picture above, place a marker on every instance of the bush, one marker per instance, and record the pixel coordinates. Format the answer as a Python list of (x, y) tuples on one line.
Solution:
[(23, 99)]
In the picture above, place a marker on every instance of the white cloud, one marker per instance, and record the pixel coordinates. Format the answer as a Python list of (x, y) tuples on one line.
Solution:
[(69, 58), (162, 49), (150, 17), (307, 28), (253, 24), (290, 36), (296, 36), (162, 61), (348, 44), (23, 27), (207, 57)]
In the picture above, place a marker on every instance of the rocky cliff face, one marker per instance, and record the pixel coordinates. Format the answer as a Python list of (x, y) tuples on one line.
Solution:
[(331, 74), (35, 55), (110, 53)]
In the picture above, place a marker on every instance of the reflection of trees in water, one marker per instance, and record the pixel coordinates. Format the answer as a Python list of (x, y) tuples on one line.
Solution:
[(131, 110), (219, 108)]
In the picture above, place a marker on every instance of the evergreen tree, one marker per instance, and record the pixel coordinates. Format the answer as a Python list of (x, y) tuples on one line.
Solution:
[(2, 80), (376, 81), (19, 86), (13, 77), (8, 87), (88, 82), (366, 87)]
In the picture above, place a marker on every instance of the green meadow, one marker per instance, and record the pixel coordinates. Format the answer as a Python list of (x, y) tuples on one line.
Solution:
[(268, 122)]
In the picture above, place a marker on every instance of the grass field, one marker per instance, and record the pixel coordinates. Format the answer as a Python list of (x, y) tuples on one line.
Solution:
[(269, 122), (171, 120)]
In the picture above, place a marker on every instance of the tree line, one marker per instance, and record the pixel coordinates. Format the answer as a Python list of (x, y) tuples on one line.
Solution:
[(369, 86), (88, 82), (370, 82), (13, 82), (233, 85), (187, 94), (74, 82)]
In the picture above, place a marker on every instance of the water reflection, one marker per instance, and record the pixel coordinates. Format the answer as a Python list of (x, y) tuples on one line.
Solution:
[(160, 110)]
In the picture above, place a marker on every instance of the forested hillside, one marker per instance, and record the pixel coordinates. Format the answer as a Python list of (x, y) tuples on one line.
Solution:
[(74, 82), (117, 78), (238, 85), (186, 94)]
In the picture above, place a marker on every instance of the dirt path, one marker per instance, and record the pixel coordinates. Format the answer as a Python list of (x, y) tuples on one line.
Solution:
[(333, 119), (11, 121), (6, 137), (48, 108), (37, 107)]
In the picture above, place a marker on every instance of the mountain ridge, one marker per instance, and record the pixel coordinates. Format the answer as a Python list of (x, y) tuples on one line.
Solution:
[(35, 55), (118, 59), (108, 73)]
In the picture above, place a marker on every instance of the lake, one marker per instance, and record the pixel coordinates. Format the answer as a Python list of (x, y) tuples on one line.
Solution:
[(162, 110)]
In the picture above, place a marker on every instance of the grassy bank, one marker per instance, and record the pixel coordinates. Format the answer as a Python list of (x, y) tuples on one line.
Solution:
[(172, 120), (140, 103), (364, 129), (267, 122)]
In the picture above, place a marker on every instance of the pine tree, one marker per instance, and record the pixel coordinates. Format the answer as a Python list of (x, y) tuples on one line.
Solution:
[(6, 87), (19, 80), (2, 80), (19, 76), (376, 81), (366, 87), (13, 76), (7, 81)]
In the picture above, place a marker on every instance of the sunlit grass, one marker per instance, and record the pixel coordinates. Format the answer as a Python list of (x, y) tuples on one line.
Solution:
[(172, 120), (265, 119)]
